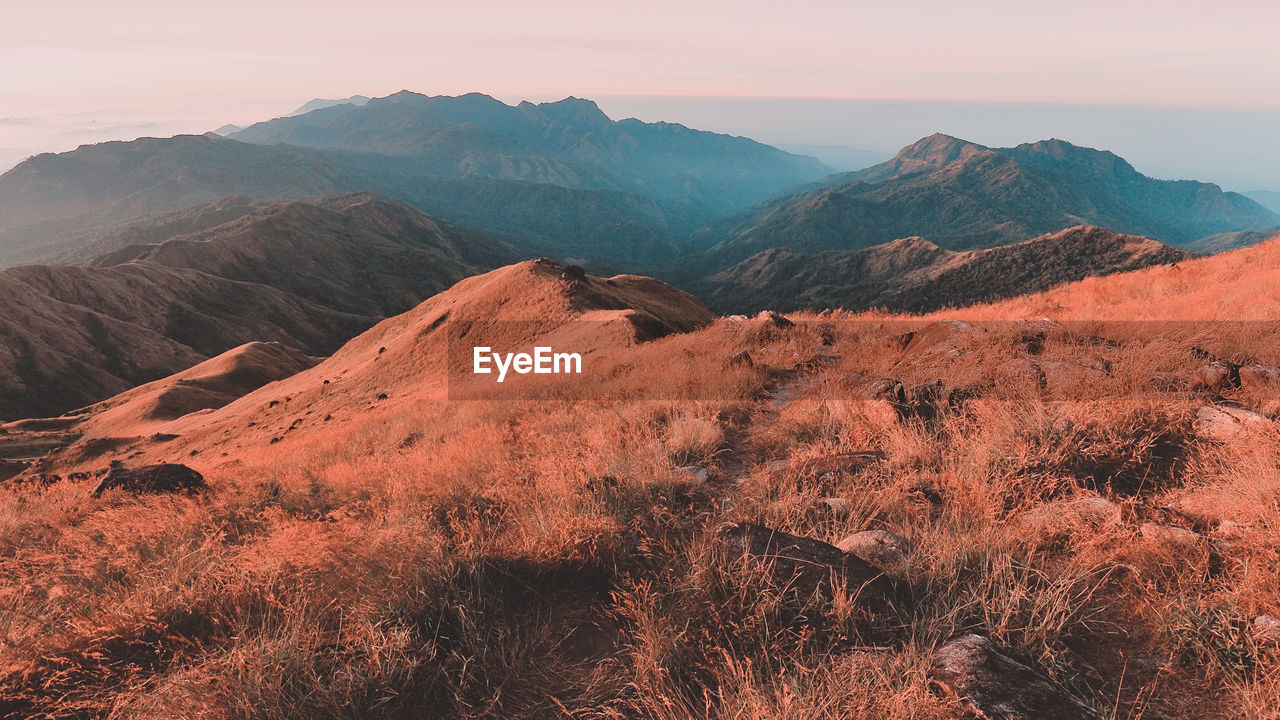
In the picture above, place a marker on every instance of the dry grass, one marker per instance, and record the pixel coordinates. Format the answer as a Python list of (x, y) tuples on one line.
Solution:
[(545, 558)]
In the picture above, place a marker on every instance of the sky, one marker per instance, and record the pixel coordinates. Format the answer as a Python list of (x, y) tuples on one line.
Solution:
[(75, 72)]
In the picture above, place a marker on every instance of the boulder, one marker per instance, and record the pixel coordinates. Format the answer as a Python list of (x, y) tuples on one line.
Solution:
[(694, 472), (993, 686), (1217, 376), (1260, 377), (151, 479), (881, 548), (805, 564), (1226, 424), (774, 319)]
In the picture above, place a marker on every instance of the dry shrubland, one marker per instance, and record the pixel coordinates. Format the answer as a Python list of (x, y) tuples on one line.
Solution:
[(547, 556)]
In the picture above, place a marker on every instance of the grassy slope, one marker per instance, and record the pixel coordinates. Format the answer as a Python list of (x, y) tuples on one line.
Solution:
[(545, 558)]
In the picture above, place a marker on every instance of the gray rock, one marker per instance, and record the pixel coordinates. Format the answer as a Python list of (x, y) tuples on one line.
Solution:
[(881, 548), (151, 479), (994, 686), (700, 474)]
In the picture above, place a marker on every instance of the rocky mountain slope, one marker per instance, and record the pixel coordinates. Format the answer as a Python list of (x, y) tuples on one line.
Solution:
[(961, 195), (915, 275)]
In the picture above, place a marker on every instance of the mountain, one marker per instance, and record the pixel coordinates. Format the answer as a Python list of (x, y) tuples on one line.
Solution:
[(570, 143), (308, 274), (556, 178), (915, 275), (52, 203), (1268, 199), (394, 366), (320, 104), (961, 195), (1223, 242)]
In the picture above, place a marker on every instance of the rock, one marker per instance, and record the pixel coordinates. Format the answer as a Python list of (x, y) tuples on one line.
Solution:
[(994, 686), (1226, 424), (700, 474), (1169, 536), (805, 564), (880, 548), (826, 466), (1267, 627), (1216, 376), (1260, 377), (772, 318), (742, 358), (151, 479)]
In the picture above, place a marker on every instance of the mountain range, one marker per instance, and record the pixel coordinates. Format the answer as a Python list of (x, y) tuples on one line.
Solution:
[(309, 274), (915, 275), (961, 195)]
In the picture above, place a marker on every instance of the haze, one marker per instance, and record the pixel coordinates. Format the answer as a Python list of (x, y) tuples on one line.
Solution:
[(997, 71)]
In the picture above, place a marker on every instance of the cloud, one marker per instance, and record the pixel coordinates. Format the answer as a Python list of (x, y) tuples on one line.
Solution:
[(18, 121)]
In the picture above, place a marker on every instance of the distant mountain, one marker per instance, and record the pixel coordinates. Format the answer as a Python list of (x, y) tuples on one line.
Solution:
[(227, 129), (320, 104), (569, 143), (52, 204), (915, 275), (1222, 242), (309, 274), (1268, 199), (962, 195), (558, 178)]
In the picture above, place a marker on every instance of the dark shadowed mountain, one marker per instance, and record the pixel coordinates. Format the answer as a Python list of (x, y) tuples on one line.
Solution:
[(961, 195), (308, 274), (915, 275)]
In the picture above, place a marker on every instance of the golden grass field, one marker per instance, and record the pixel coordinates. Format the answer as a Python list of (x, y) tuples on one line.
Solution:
[(542, 555)]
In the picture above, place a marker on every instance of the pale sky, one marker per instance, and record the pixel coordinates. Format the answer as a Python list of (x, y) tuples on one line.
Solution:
[(73, 72)]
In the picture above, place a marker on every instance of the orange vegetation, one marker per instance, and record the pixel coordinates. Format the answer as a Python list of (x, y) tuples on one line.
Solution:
[(550, 554)]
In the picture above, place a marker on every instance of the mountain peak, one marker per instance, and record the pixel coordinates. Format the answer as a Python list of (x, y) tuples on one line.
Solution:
[(939, 148), (576, 111)]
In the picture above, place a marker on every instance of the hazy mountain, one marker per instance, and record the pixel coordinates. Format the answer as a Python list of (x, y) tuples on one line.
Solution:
[(227, 129), (570, 143), (961, 195), (840, 157), (309, 274), (1268, 199), (1223, 242), (321, 103), (915, 275), (52, 204), (560, 178)]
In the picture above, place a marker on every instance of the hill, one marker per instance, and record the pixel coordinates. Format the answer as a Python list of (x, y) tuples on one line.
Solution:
[(961, 195), (398, 364), (815, 516), (308, 274), (1268, 199), (915, 275)]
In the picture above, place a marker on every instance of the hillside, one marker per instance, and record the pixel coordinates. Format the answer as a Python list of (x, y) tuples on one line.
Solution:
[(836, 515), (1266, 198), (307, 274), (961, 195), (400, 363), (915, 275), (1238, 289)]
